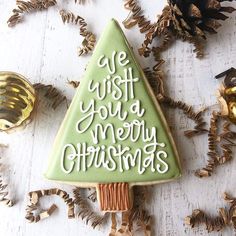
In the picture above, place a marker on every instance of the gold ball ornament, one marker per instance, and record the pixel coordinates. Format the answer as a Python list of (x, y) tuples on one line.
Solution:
[(17, 100)]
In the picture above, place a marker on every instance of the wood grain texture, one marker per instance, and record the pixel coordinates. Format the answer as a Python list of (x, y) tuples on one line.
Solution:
[(44, 50)]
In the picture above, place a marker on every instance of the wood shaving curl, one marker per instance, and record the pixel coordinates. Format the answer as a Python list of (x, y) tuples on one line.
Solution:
[(89, 41), (33, 206), (226, 217), (93, 196), (51, 93), (24, 7), (86, 212), (3, 192), (73, 83), (217, 142), (189, 112), (136, 17)]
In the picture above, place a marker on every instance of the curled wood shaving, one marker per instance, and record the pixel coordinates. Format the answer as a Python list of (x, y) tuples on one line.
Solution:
[(85, 211), (89, 41), (136, 17), (73, 83), (93, 196), (33, 206), (51, 93), (166, 40), (3, 193), (226, 217), (217, 143), (23, 7), (3, 187), (189, 112), (155, 78), (158, 30)]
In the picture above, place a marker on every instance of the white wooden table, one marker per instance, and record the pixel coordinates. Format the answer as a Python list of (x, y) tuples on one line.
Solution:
[(44, 50)]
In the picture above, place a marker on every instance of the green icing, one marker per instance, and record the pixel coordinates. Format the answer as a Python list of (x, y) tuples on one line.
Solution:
[(114, 44)]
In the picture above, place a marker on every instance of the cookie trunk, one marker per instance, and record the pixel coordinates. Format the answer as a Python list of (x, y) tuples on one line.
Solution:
[(114, 197)]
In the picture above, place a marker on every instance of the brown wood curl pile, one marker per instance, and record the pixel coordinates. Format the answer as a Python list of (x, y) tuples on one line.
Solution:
[(219, 144), (138, 219), (24, 7), (89, 41), (51, 93), (34, 198), (136, 17), (86, 212), (226, 217)]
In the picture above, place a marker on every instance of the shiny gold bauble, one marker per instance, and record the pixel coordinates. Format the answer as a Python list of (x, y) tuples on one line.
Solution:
[(232, 111), (17, 100), (231, 92)]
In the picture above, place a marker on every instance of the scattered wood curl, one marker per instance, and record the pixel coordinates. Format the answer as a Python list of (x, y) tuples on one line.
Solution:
[(89, 41), (136, 17), (217, 142), (226, 217), (51, 93), (34, 198), (165, 41), (86, 212), (73, 83), (23, 7), (93, 196), (3, 192), (199, 127)]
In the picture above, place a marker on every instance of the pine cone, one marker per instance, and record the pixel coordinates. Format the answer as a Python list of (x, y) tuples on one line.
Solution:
[(188, 20), (193, 18)]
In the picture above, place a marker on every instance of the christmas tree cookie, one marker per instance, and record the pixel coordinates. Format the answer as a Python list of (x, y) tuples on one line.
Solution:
[(114, 135)]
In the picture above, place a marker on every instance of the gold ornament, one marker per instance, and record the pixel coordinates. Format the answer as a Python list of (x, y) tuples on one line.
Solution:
[(228, 94), (17, 100)]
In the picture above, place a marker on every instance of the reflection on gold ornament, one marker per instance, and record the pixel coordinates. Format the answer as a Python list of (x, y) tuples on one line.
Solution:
[(17, 100), (228, 94)]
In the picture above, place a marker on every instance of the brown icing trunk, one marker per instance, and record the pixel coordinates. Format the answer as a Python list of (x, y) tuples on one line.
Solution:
[(115, 197)]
